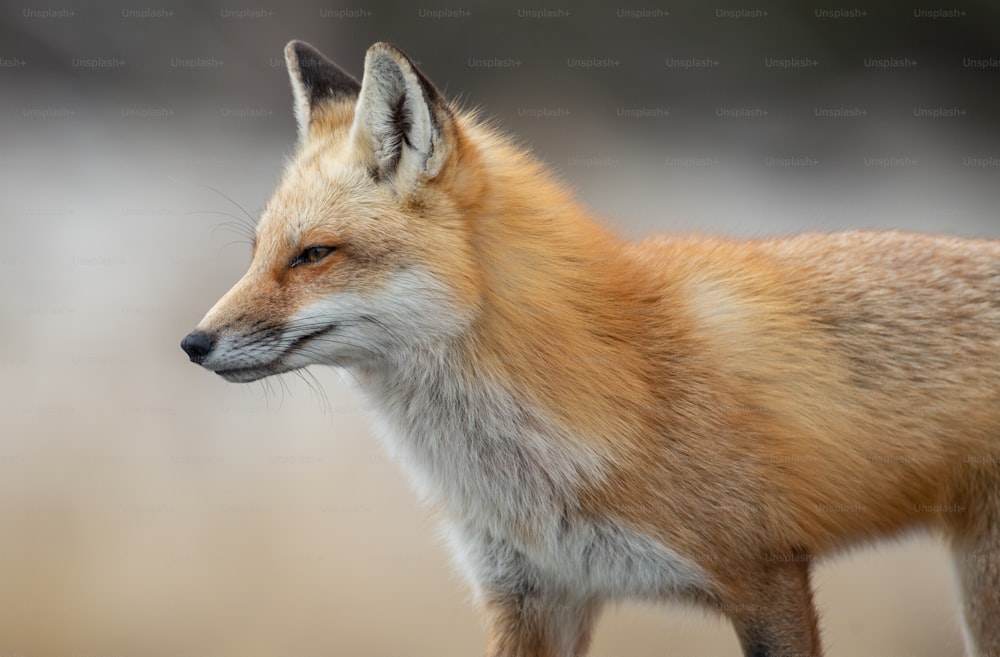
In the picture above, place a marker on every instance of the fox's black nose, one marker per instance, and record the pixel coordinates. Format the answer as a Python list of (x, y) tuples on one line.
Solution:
[(197, 345)]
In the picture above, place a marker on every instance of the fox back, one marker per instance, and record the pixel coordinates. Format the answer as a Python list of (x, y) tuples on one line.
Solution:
[(684, 418)]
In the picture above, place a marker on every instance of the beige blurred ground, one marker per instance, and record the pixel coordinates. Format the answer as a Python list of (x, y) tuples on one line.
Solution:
[(149, 508)]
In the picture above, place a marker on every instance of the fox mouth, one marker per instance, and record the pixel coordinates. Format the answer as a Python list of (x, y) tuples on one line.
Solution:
[(251, 374), (278, 365)]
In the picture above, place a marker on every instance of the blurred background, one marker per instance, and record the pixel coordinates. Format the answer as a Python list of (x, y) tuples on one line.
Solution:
[(149, 508)]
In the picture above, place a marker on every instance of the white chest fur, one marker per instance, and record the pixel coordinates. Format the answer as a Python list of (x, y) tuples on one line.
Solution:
[(509, 480)]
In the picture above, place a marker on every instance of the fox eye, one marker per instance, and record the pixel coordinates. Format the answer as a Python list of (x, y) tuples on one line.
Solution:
[(312, 255)]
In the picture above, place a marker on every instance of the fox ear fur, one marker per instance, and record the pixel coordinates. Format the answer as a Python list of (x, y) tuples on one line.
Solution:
[(315, 80), (401, 121)]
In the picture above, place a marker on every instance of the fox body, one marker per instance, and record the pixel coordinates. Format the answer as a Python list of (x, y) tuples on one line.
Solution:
[(687, 418)]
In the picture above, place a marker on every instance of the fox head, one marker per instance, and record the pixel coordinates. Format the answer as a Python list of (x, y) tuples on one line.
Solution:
[(364, 249)]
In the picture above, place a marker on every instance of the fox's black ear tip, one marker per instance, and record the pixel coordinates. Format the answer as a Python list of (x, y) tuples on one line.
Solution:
[(296, 50), (380, 46), (388, 48), (317, 74)]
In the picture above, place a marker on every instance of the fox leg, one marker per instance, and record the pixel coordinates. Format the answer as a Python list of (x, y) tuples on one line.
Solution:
[(776, 616), (534, 626), (976, 555), (526, 614)]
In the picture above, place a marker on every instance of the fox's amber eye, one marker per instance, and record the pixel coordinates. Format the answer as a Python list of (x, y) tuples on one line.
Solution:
[(312, 255)]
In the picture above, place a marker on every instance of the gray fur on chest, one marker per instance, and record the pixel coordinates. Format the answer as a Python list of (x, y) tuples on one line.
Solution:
[(478, 451), (584, 559), (509, 480)]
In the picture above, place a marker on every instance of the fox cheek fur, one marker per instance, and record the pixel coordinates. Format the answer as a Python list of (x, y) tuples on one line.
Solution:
[(684, 418)]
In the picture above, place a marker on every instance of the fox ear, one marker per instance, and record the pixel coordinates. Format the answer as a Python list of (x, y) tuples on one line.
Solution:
[(401, 121), (315, 80)]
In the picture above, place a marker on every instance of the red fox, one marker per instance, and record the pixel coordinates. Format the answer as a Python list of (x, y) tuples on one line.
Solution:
[(690, 418)]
